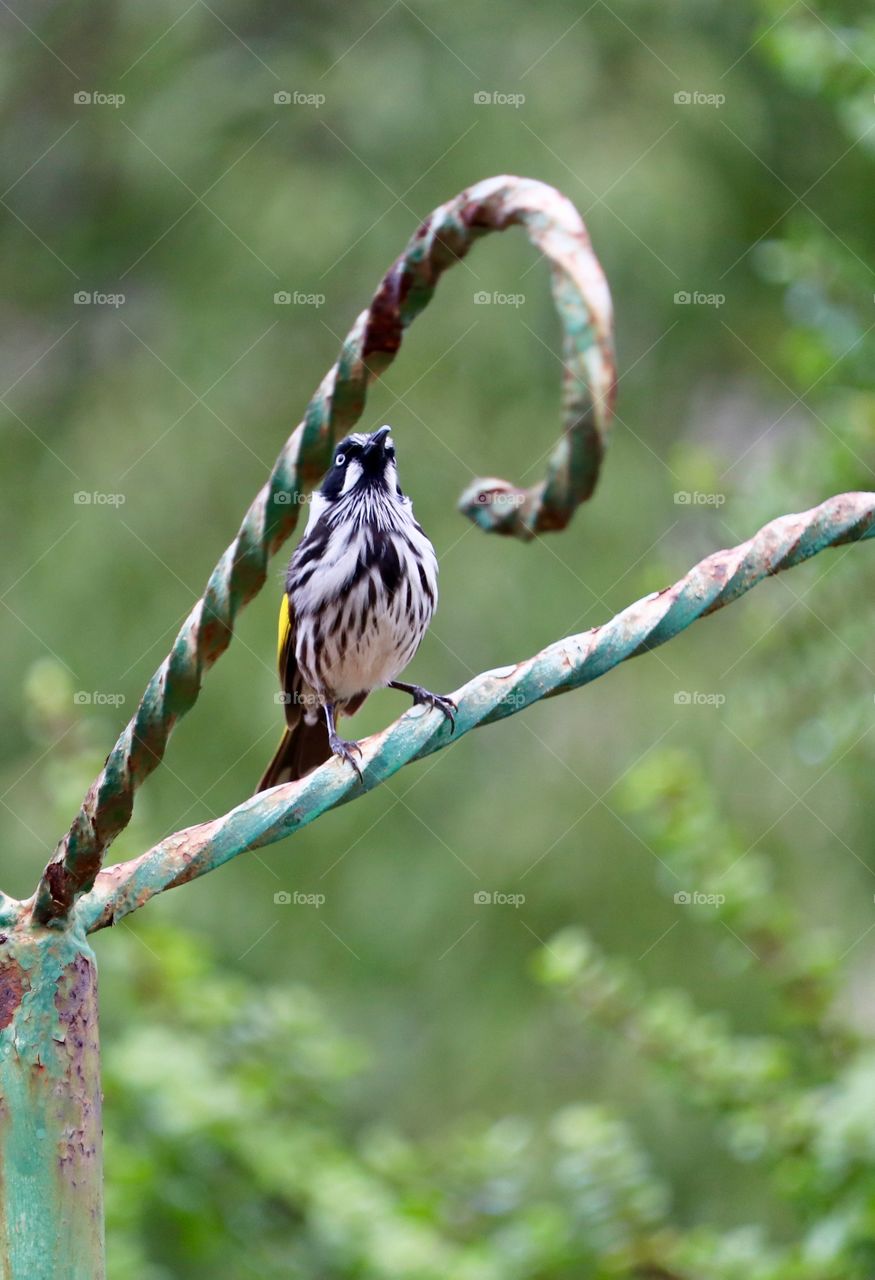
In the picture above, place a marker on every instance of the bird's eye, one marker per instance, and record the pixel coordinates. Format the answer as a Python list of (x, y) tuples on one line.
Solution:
[(340, 459), (390, 453)]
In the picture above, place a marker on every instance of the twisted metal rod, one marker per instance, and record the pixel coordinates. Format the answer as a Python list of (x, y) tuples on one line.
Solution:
[(565, 665), (583, 303)]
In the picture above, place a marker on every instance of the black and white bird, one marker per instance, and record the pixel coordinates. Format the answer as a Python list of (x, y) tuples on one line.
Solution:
[(360, 592)]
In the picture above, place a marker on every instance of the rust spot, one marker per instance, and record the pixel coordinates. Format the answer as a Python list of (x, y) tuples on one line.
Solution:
[(13, 984), (384, 329), (550, 521), (60, 888), (480, 215), (76, 1003)]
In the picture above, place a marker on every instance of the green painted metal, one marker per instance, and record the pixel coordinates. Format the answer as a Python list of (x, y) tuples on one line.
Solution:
[(50, 1190), (583, 304), (494, 695), (51, 1219)]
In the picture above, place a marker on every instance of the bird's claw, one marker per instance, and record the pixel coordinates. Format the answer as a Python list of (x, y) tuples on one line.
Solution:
[(346, 751), (425, 698)]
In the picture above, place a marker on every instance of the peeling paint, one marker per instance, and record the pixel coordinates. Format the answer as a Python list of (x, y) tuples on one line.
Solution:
[(13, 982), (51, 1207)]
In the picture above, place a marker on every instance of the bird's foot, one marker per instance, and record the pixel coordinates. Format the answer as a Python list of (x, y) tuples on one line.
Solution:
[(346, 751), (425, 698)]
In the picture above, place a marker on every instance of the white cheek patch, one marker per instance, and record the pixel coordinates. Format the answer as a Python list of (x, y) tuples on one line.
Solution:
[(352, 477)]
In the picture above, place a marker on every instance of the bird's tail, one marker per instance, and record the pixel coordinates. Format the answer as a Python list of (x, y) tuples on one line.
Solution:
[(303, 748)]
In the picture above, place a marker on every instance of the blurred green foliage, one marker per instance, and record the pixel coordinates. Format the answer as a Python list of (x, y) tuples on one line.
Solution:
[(602, 1081)]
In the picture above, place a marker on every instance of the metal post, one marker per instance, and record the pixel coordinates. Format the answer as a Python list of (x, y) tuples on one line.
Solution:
[(51, 1197)]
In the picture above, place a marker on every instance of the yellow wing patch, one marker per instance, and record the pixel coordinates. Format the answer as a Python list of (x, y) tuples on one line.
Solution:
[(285, 626)]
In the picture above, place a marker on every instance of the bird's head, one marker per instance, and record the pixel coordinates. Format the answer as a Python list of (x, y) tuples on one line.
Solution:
[(362, 465)]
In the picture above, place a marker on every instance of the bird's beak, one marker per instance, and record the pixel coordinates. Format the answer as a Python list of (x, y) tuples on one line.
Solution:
[(377, 441), (374, 452)]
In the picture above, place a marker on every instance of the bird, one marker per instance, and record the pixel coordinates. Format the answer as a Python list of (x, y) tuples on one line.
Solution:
[(361, 590)]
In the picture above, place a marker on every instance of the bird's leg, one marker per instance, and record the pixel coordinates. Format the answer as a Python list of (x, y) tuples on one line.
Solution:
[(423, 697), (341, 748)]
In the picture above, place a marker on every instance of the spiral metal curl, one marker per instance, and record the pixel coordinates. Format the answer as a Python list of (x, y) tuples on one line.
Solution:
[(582, 300), (494, 695)]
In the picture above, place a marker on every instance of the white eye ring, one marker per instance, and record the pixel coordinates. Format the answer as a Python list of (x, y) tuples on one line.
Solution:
[(340, 459)]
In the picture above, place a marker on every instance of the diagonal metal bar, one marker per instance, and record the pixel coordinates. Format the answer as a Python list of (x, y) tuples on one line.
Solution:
[(565, 665), (583, 303)]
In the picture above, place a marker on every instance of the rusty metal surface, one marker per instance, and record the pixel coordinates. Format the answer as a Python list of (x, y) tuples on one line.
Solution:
[(563, 666), (583, 303), (49, 1072), (49, 1075), (51, 1221)]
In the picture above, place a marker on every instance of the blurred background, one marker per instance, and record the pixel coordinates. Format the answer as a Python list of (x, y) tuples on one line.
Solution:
[(595, 1079)]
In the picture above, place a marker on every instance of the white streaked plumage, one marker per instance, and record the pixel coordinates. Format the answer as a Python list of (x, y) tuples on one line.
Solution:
[(360, 592), (364, 601)]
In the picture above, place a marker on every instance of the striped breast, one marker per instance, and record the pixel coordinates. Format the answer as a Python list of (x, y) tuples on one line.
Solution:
[(363, 598)]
